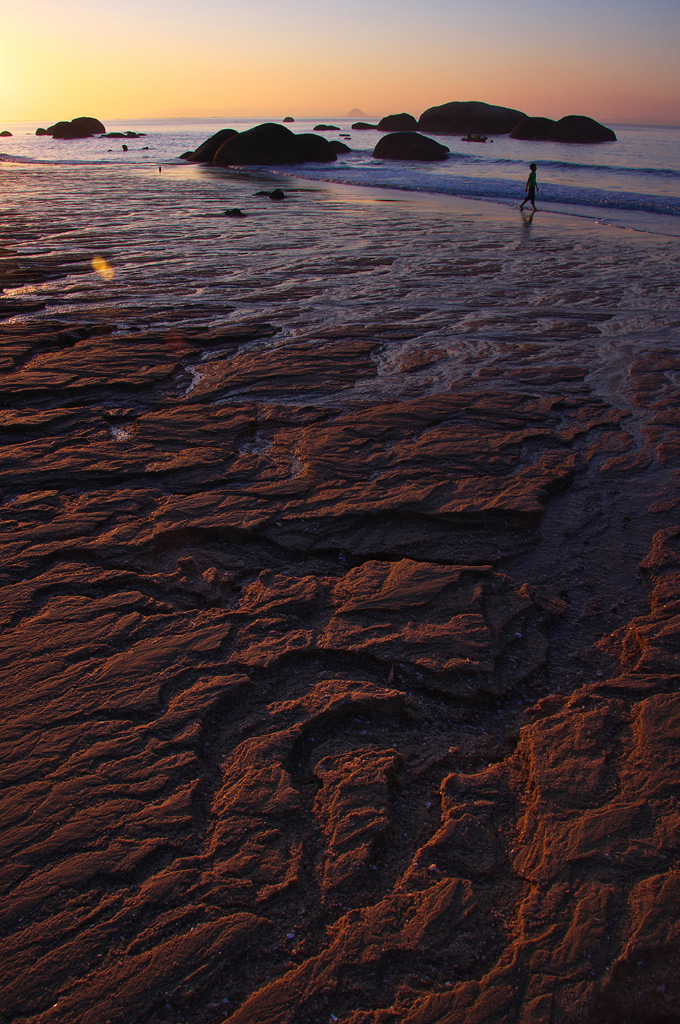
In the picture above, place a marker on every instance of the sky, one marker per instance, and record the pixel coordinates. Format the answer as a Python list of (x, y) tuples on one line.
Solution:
[(614, 60)]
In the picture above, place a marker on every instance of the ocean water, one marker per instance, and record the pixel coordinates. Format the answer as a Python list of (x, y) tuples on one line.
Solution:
[(631, 183)]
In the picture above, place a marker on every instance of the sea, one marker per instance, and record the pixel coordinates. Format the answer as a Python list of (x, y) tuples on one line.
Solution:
[(632, 183)]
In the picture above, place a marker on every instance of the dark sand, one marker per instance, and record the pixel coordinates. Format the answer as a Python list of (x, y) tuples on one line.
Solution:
[(341, 615)]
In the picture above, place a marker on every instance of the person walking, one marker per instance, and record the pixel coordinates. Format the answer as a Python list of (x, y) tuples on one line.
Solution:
[(531, 188)]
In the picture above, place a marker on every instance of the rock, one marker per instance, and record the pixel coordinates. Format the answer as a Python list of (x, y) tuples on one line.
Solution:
[(362, 126), (573, 128), (578, 128), (326, 128), (273, 144), (276, 196), (533, 129), (78, 128), (234, 212), (41, 131), (205, 153), (339, 147), (456, 117), (288, 120), (398, 123), (409, 146), (5, 135)]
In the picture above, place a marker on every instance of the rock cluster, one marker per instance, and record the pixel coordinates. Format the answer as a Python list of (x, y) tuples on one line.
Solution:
[(474, 118), (573, 128), (265, 144), (124, 135), (78, 128)]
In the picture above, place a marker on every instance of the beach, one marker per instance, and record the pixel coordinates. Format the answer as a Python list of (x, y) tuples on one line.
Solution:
[(340, 594)]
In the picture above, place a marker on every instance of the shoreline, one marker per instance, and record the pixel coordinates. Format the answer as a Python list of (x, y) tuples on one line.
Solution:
[(594, 216), (582, 182)]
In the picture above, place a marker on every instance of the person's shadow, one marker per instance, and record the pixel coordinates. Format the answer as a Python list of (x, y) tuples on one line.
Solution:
[(527, 218)]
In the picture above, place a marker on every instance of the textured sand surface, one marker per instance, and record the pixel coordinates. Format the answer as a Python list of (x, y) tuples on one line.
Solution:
[(340, 631)]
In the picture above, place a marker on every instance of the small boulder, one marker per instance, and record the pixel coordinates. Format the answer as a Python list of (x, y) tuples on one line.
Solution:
[(326, 128), (464, 117), (398, 123), (234, 212), (362, 126), (6, 135), (409, 146), (276, 195), (288, 120), (205, 153)]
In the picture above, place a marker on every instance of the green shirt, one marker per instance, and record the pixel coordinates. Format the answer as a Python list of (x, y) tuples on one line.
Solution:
[(531, 183)]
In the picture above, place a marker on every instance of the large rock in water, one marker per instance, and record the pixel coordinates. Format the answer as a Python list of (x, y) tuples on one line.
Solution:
[(578, 128), (573, 128), (533, 129), (398, 123), (409, 146), (78, 128), (454, 118), (206, 151), (273, 144)]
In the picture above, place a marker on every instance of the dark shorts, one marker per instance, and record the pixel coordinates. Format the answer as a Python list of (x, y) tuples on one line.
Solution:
[(532, 194)]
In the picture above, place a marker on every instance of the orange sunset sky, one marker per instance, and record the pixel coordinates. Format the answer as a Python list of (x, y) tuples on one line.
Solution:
[(614, 60)]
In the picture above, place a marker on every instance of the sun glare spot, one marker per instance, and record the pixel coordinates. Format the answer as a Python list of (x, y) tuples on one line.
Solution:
[(104, 269)]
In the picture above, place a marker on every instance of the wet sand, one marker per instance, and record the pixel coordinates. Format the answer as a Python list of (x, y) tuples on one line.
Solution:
[(340, 609)]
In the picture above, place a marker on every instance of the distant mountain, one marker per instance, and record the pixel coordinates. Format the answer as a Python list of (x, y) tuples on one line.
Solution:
[(357, 113)]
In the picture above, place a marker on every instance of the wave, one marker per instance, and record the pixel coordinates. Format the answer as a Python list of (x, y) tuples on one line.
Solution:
[(495, 189), (567, 165), (11, 158)]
